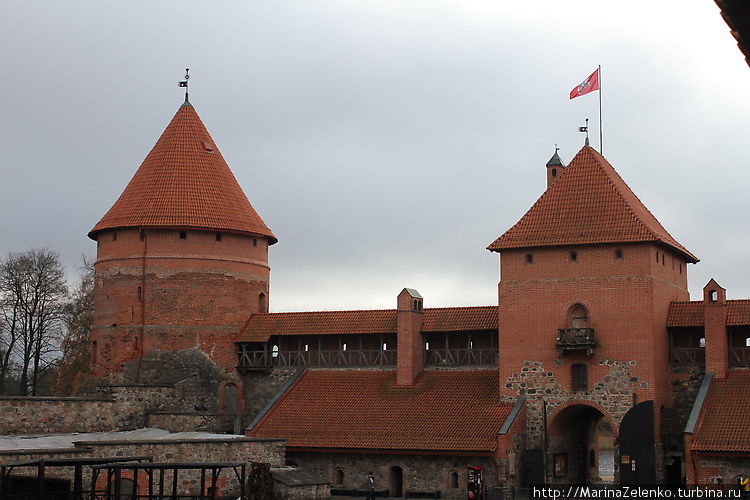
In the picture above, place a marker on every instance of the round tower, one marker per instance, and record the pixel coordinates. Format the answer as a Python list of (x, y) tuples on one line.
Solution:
[(182, 264)]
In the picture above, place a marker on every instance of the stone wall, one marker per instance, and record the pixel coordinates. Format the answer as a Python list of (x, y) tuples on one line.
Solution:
[(181, 422), (260, 388), (420, 472), (726, 469), (121, 407)]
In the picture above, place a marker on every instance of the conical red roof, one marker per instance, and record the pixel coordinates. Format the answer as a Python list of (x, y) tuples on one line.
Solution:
[(588, 204), (184, 182)]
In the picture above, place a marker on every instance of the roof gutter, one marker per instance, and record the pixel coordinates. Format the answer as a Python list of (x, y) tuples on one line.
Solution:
[(512, 415), (692, 421)]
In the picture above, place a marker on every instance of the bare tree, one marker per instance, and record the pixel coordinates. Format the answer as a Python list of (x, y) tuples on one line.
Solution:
[(32, 288), (78, 317)]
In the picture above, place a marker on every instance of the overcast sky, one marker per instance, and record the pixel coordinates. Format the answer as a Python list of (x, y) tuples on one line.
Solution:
[(385, 143)]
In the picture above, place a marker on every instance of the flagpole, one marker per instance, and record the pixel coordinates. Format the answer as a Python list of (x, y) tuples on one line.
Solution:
[(601, 148)]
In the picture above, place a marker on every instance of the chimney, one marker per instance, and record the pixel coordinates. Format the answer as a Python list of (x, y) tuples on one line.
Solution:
[(554, 168), (410, 347), (715, 328)]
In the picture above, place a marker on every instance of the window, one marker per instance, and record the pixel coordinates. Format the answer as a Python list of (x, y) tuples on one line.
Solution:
[(385, 346), (747, 342), (702, 342), (343, 347), (426, 346), (662, 259), (529, 258), (554, 174), (713, 296), (618, 254), (140, 294), (307, 347), (573, 256), (275, 351), (218, 236), (114, 235), (657, 257), (579, 317), (579, 376), (454, 475), (94, 352), (338, 477), (183, 235), (255, 242), (262, 303)]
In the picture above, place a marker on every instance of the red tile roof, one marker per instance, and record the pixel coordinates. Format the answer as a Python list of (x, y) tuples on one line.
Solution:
[(588, 204), (184, 182), (725, 423), (436, 319), (691, 313), (458, 411)]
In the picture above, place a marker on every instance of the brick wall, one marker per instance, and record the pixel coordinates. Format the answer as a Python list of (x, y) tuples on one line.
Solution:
[(162, 292), (627, 300)]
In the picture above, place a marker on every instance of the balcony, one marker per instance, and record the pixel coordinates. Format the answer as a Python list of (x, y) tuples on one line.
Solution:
[(687, 356), (576, 339)]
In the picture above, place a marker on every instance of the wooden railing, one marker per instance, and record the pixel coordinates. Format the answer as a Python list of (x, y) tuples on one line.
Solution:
[(739, 356), (569, 339), (259, 360), (687, 356), (461, 357)]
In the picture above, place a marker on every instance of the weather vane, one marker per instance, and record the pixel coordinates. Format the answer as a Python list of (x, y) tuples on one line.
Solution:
[(585, 129), (184, 83)]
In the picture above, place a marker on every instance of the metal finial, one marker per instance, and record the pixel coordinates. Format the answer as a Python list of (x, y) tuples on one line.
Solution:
[(556, 148), (184, 83), (585, 129)]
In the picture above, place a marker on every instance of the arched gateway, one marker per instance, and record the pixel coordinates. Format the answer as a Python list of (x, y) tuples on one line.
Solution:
[(581, 445)]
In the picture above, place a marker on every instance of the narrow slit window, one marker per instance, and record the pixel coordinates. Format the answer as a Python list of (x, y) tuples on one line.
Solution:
[(618, 254), (183, 235), (579, 373), (218, 236), (529, 258), (573, 256)]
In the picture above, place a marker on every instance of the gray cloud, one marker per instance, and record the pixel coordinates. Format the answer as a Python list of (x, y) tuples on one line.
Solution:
[(385, 143)]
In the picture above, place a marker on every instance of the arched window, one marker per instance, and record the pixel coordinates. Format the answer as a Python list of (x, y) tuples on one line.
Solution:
[(579, 376), (262, 302), (579, 317), (454, 479), (338, 477)]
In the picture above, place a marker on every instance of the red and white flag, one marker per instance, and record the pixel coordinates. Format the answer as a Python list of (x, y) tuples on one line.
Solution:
[(590, 84)]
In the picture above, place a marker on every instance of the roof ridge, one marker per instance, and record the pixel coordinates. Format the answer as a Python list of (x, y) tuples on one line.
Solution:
[(324, 311)]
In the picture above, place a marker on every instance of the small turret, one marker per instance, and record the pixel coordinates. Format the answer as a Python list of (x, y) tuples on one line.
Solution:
[(554, 167)]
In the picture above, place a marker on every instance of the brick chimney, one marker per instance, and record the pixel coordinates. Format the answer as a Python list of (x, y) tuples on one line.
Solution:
[(554, 168), (715, 328), (410, 347)]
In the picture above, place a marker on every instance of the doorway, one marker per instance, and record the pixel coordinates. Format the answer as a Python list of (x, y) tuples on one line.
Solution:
[(396, 481)]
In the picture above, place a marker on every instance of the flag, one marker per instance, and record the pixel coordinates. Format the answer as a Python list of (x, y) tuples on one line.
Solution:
[(590, 84), (184, 84)]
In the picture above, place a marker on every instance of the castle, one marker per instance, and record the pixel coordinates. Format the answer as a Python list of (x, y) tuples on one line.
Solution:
[(595, 366), (597, 336)]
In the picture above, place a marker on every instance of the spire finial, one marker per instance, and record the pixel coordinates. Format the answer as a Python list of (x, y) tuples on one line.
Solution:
[(585, 129), (556, 148), (184, 83)]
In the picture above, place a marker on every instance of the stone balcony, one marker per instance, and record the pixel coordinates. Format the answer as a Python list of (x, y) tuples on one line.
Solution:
[(576, 339)]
